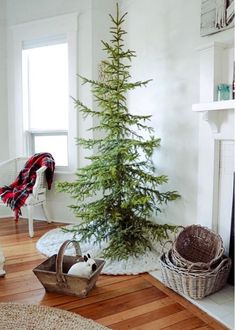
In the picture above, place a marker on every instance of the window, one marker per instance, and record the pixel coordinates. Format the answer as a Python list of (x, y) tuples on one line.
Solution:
[(46, 97), (42, 78)]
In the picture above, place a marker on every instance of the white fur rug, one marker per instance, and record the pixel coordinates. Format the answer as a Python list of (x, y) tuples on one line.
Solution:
[(50, 243)]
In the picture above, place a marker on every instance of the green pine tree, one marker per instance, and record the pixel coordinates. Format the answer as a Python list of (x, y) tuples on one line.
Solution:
[(117, 192)]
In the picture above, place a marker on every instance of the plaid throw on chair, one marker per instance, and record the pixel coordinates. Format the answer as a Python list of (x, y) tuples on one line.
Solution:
[(16, 194)]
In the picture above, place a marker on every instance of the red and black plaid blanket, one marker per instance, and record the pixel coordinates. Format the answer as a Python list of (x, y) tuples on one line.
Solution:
[(16, 194)]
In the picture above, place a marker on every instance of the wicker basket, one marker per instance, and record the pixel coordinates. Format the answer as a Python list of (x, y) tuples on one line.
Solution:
[(52, 273), (195, 284), (193, 268), (197, 244)]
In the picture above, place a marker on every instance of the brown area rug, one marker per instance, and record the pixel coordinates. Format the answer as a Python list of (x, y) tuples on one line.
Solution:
[(32, 317)]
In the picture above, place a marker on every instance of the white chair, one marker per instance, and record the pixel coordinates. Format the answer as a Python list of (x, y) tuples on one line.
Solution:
[(9, 170), (2, 261)]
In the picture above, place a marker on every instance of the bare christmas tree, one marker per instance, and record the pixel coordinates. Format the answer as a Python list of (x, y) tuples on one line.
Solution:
[(121, 177)]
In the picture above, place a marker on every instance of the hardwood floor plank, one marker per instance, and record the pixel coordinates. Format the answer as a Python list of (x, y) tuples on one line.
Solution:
[(119, 302), (165, 321), (131, 282), (181, 300), (19, 285), (11, 260), (108, 280), (215, 325), (149, 317), (16, 269), (24, 250), (109, 295), (136, 311), (206, 327), (28, 297), (104, 299), (188, 324)]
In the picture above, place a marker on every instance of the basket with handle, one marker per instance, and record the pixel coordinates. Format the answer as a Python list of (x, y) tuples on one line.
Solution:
[(193, 268), (52, 273), (198, 245), (196, 284)]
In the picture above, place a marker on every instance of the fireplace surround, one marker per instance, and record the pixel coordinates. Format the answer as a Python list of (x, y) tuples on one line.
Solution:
[(216, 141)]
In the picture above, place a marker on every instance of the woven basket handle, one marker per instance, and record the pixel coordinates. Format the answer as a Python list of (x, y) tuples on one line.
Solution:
[(59, 260), (213, 261), (164, 246), (218, 257), (221, 264), (208, 266), (199, 266), (174, 239)]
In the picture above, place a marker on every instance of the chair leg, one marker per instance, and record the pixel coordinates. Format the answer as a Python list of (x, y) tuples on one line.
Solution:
[(2, 260), (47, 215), (30, 220)]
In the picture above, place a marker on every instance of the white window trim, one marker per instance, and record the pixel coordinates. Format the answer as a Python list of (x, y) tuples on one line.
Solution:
[(44, 29), (30, 135)]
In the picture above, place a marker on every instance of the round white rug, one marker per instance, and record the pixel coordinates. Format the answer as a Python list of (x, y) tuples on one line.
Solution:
[(32, 317), (50, 243)]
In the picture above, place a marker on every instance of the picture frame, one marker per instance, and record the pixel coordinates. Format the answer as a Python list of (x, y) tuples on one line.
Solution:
[(216, 16)]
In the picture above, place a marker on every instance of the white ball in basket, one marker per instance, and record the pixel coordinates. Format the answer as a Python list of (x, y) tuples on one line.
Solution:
[(83, 268)]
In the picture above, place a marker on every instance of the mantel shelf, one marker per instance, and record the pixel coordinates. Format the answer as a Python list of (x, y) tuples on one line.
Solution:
[(214, 106)]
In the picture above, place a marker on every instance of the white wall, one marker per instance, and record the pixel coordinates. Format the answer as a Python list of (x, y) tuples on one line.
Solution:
[(3, 89), (28, 10), (165, 36), (93, 25)]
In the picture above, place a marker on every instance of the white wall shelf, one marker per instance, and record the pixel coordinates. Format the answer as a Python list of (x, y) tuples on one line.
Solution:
[(214, 106)]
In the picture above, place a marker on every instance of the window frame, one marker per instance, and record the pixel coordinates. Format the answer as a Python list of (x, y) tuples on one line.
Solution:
[(30, 141), (31, 133), (45, 29)]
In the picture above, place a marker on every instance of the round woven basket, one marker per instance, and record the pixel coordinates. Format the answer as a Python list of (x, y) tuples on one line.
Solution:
[(170, 260), (195, 284), (197, 244)]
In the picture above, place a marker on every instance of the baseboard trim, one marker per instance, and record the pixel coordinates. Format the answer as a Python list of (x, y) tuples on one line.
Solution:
[(6, 216), (40, 219)]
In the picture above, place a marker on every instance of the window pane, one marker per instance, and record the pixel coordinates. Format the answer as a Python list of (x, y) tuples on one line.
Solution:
[(48, 96), (55, 144)]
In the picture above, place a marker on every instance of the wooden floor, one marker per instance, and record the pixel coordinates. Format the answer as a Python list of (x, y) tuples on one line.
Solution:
[(119, 302)]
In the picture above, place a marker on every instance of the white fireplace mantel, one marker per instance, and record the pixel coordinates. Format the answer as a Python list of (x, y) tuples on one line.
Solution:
[(214, 106), (216, 134), (213, 112)]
